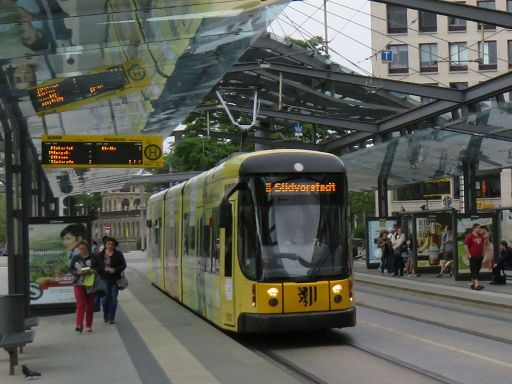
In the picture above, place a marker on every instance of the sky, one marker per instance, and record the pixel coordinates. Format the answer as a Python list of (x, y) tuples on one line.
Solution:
[(349, 33)]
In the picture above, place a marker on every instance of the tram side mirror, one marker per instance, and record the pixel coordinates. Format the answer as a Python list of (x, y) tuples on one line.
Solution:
[(226, 215)]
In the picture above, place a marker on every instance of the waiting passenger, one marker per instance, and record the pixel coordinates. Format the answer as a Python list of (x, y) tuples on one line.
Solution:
[(446, 260), (384, 243), (503, 262), (80, 266), (397, 241), (112, 264)]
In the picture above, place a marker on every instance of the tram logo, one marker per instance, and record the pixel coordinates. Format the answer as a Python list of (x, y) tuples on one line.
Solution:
[(307, 295)]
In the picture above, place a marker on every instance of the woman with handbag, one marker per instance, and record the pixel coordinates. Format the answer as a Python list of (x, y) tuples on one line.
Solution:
[(82, 267), (112, 265)]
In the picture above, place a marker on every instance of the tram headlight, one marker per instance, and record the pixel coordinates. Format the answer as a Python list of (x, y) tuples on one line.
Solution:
[(336, 289), (273, 292)]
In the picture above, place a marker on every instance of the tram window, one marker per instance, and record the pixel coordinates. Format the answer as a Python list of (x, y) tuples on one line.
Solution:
[(215, 241), (248, 248)]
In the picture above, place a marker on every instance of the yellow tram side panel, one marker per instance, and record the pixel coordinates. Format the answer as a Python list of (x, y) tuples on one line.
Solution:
[(190, 260), (201, 274), (173, 233), (154, 220)]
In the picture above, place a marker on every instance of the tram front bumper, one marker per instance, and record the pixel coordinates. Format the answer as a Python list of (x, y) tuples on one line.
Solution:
[(290, 322)]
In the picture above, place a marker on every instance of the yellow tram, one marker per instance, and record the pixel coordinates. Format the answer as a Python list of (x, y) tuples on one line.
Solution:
[(259, 243)]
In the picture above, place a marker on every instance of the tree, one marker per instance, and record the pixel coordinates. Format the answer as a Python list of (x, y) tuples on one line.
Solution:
[(361, 205), (91, 202)]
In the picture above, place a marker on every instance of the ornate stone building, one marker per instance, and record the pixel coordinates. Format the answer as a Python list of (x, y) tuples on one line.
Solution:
[(122, 216)]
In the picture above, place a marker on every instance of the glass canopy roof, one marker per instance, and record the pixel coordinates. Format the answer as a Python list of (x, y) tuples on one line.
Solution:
[(430, 153), (182, 49), (141, 66)]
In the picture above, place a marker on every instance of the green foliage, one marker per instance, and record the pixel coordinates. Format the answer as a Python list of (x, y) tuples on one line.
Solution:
[(316, 42), (361, 202), (91, 202), (199, 153), (360, 231)]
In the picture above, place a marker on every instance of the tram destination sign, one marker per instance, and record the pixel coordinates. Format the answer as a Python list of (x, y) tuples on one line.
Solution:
[(292, 187), (96, 151)]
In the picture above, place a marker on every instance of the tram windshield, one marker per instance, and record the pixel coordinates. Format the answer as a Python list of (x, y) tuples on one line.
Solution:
[(292, 228)]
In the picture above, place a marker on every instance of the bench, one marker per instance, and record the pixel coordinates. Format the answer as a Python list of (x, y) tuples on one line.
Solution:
[(11, 343), (506, 273), (31, 322)]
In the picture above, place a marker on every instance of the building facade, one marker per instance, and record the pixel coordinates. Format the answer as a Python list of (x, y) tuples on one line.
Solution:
[(439, 50), (443, 51), (122, 216)]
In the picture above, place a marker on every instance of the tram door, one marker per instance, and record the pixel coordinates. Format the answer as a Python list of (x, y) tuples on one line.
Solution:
[(228, 250)]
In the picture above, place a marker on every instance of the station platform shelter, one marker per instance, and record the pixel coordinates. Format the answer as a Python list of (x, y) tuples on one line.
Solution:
[(157, 340)]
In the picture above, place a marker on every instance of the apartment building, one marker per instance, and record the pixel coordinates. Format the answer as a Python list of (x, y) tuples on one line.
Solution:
[(440, 50), (447, 52)]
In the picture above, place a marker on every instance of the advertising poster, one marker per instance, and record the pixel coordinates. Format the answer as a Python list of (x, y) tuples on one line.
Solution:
[(374, 228), (52, 246), (506, 226), (434, 240), (487, 230)]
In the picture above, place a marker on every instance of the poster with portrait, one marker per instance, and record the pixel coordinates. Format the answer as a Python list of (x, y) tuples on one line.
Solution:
[(488, 230), (374, 226), (434, 240), (52, 244)]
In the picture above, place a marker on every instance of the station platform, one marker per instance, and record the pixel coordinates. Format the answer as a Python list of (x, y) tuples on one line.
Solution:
[(156, 340)]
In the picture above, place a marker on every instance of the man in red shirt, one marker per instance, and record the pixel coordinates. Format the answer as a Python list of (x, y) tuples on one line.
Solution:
[(474, 246)]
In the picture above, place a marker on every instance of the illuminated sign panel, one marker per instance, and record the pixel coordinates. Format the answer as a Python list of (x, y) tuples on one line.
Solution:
[(91, 151), (299, 187), (65, 94)]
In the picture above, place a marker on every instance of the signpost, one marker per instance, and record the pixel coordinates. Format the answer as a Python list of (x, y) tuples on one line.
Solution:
[(386, 56), (298, 129), (106, 229)]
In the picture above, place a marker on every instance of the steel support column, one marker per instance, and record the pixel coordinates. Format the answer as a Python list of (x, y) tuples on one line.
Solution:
[(470, 165), (382, 181)]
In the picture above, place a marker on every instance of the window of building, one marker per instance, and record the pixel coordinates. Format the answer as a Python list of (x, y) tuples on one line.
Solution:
[(488, 185), (400, 63), (427, 21), (509, 6), (487, 5), (428, 57), (430, 190), (488, 56), (459, 85), (425, 99), (509, 45), (397, 19), (458, 56), (456, 24)]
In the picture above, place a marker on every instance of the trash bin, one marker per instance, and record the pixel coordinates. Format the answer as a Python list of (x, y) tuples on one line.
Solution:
[(12, 314)]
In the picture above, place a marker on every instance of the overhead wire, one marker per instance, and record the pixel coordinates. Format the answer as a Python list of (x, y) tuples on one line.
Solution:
[(435, 36), (361, 43), (405, 43), (333, 50), (395, 38), (441, 59)]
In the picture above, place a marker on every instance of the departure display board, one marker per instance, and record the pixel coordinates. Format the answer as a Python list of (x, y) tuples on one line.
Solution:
[(95, 151), (65, 94), (299, 187)]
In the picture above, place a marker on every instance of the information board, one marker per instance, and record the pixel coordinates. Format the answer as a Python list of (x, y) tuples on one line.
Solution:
[(96, 151), (69, 93)]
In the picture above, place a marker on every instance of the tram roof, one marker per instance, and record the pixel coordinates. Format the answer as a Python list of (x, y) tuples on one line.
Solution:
[(190, 49)]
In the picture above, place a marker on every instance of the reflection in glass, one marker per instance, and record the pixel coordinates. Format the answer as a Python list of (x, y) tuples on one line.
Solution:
[(292, 235)]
